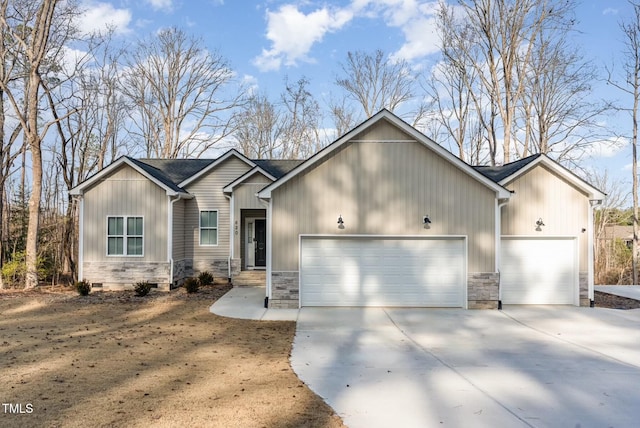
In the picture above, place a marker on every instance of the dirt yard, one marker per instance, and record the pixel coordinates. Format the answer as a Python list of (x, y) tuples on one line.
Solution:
[(114, 359)]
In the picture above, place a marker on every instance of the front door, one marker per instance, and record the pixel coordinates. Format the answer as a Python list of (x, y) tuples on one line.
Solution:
[(260, 246)]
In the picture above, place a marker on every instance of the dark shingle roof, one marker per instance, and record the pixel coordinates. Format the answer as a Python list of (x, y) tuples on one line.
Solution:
[(176, 170), (499, 173), (158, 174), (277, 167)]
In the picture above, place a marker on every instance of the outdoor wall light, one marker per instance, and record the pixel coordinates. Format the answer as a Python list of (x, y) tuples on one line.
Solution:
[(340, 222), (539, 224), (426, 220)]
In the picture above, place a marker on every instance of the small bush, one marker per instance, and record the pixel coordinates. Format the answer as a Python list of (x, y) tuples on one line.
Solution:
[(205, 278), (191, 285), (142, 288), (83, 287)]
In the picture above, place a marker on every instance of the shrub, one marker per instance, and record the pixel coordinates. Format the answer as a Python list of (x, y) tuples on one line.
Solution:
[(83, 287), (191, 285), (205, 278), (142, 288)]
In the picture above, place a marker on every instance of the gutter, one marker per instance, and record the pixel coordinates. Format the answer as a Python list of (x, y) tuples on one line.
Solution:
[(170, 236), (498, 232)]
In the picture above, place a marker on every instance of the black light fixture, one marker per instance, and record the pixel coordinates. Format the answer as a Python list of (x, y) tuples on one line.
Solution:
[(426, 220), (539, 224), (340, 222)]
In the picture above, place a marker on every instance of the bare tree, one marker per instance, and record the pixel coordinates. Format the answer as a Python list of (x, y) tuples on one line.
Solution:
[(301, 119), (91, 105), (610, 213), (631, 86), (558, 115), (343, 115), (38, 31), (498, 37), (259, 129), (182, 95), (375, 82)]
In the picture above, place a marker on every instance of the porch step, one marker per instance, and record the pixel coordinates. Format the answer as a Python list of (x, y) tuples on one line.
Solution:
[(250, 278)]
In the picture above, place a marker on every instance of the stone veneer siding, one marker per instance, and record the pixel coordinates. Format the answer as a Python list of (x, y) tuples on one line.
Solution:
[(218, 267), (483, 290), (236, 267), (583, 278), (284, 290), (123, 275), (182, 269)]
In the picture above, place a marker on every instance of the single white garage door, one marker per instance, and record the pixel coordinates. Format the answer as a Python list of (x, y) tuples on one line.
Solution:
[(359, 271), (539, 271)]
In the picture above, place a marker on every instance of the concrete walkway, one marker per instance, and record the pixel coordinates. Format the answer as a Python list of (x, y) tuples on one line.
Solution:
[(629, 291), (248, 303)]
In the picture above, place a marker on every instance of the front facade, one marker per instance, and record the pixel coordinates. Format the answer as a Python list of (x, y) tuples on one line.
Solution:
[(381, 217)]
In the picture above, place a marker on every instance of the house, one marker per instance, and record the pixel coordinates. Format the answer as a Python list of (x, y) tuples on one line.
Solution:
[(383, 216), (616, 232)]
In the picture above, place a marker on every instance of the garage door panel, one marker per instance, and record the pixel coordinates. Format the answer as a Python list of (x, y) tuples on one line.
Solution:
[(538, 271), (382, 272)]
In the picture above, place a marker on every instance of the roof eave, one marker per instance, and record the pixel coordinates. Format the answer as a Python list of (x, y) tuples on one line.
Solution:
[(212, 165)]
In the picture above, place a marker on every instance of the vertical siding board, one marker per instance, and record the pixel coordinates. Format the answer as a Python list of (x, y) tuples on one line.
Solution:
[(209, 196), (125, 193), (384, 188), (540, 193)]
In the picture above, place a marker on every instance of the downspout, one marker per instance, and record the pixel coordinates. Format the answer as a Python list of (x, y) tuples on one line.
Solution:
[(269, 207), (80, 237), (232, 216), (498, 228), (170, 237), (593, 204)]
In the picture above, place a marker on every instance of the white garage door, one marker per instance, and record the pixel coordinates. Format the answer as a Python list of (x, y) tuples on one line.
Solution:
[(538, 271), (354, 271)]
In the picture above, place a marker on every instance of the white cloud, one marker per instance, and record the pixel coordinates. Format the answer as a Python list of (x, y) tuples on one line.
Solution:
[(608, 148), (164, 5), (292, 34), (100, 16), (610, 11)]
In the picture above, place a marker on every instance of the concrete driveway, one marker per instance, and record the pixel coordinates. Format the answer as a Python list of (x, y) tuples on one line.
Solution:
[(524, 366)]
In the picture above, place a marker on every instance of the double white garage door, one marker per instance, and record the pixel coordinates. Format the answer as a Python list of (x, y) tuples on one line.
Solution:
[(365, 271), (430, 272)]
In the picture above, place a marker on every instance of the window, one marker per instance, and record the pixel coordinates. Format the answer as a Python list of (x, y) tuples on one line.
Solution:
[(208, 227), (125, 236)]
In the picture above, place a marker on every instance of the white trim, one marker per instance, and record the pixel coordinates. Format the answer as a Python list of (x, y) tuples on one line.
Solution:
[(591, 191), (214, 164), (217, 228), (500, 191), (269, 248), (590, 252), (371, 236), (125, 236), (464, 238), (81, 239), (497, 236), (232, 219), (256, 169), (170, 238)]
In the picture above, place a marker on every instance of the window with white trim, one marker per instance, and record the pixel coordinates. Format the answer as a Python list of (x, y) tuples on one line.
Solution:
[(209, 227), (125, 236)]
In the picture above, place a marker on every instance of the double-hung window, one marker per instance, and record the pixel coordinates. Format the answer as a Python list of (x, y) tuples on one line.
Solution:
[(125, 236), (208, 227)]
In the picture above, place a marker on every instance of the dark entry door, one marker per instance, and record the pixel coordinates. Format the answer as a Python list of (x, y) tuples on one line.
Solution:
[(261, 243)]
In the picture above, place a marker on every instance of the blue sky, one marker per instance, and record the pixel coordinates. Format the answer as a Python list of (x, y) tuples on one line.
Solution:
[(270, 39)]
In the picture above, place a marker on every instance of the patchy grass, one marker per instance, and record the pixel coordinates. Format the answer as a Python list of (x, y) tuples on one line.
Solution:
[(114, 359)]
